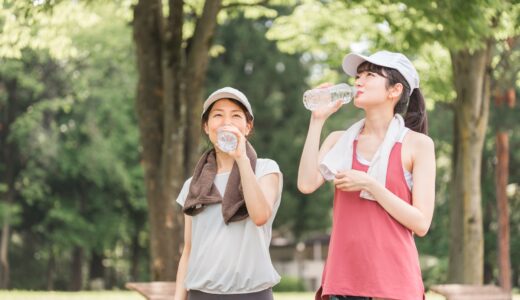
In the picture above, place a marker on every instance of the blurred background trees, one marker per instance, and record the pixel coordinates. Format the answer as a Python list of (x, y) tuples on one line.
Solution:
[(91, 91)]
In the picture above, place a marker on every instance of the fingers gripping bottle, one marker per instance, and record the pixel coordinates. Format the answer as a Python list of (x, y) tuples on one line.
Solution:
[(321, 97)]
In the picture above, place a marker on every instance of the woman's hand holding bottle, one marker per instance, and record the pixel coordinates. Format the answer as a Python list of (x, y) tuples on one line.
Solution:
[(231, 141), (322, 112)]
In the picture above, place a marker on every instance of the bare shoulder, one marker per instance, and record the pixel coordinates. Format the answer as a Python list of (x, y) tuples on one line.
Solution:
[(418, 143), (421, 140), (329, 142), (333, 137)]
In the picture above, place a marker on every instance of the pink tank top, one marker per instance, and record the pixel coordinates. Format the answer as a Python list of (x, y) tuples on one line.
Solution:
[(370, 253)]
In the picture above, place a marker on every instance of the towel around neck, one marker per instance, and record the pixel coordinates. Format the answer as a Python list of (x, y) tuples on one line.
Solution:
[(203, 192), (340, 156)]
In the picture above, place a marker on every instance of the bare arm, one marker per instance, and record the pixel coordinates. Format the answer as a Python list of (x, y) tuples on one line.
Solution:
[(309, 175), (180, 290), (260, 194), (417, 217)]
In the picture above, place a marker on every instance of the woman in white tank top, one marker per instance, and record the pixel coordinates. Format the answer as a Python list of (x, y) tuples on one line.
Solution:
[(229, 216)]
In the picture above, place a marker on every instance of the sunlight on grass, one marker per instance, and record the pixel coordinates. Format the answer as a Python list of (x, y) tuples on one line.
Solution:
[(126, 295), (294, 296), (37, 295)]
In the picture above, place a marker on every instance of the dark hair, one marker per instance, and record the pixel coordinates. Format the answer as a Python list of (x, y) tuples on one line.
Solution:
[(412, 107), (249, 117)]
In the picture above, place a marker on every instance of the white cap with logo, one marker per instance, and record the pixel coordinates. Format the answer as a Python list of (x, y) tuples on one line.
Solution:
[(227, 93), (387, 59)]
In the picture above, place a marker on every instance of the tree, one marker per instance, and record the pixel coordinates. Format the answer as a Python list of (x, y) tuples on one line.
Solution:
[(172, 68), (171, 76), (172, 56), (10, 107), (79, 184), (17, 35), (505, 97)]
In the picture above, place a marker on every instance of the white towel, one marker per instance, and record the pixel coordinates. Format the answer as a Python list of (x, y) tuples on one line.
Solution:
[(340, 156)]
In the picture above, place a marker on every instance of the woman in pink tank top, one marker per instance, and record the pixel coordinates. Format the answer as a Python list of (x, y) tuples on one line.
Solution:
[(384, 182)]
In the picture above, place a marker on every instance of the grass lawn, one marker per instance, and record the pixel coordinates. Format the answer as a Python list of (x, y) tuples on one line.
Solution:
[(126, 295)]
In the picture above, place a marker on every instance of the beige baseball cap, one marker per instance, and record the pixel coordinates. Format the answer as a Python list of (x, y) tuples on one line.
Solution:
[(227, 93), (387, 59)]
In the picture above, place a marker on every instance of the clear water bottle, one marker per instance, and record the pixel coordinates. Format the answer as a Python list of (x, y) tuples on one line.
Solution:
[(226, 140), (321, 97)]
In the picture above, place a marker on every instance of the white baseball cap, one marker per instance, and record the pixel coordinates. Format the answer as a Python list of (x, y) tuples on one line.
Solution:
[(387, 59), (227, 93)]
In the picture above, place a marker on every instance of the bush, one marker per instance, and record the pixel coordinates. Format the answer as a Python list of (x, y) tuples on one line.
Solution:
[(435, 271), (289, 284)]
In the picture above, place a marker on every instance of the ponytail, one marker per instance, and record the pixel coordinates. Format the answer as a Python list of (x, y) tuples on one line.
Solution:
[(415, 117)]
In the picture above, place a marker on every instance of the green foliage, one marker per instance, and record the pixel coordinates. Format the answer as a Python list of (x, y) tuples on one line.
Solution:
[(434, 270), (514, 208), (9, 213), (289, 284), (80, 184), (502, 119), (424, 30), (31, 24), (325, 31), (79, 181)]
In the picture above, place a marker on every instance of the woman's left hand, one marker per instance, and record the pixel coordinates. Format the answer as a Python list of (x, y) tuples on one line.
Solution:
[(352, 180)]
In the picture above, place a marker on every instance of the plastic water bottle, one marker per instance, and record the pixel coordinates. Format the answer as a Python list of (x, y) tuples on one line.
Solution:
[(226, 140), (321, 97)]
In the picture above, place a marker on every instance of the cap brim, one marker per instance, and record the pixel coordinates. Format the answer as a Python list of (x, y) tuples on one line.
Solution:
[(351, 62), (222, 95), (225, 95)]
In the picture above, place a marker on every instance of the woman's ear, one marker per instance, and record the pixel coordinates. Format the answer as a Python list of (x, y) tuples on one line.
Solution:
[(396, 91), (206, 130), (249, 126)]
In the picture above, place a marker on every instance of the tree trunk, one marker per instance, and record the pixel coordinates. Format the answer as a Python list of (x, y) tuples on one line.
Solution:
[(149, 106), (110, 278), (197, 65), (502, 174), (8, 150), (97, 270), (471, 81), (76, 269), (4, 259), (516, 276), (169, 89), (505, 99), (502, 177), (134, 257), (489, 211), (51, 270)]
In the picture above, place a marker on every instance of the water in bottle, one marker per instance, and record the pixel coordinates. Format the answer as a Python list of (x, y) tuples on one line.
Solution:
[(320, 97), (227, 141)]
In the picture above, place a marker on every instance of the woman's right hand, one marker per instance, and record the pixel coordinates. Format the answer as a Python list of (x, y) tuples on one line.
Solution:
[(323, 113)]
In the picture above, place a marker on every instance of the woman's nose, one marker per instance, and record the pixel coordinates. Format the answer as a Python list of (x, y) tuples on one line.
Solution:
[(227, 120)]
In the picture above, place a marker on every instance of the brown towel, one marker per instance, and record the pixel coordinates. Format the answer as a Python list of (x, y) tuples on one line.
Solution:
[(203, 191)]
